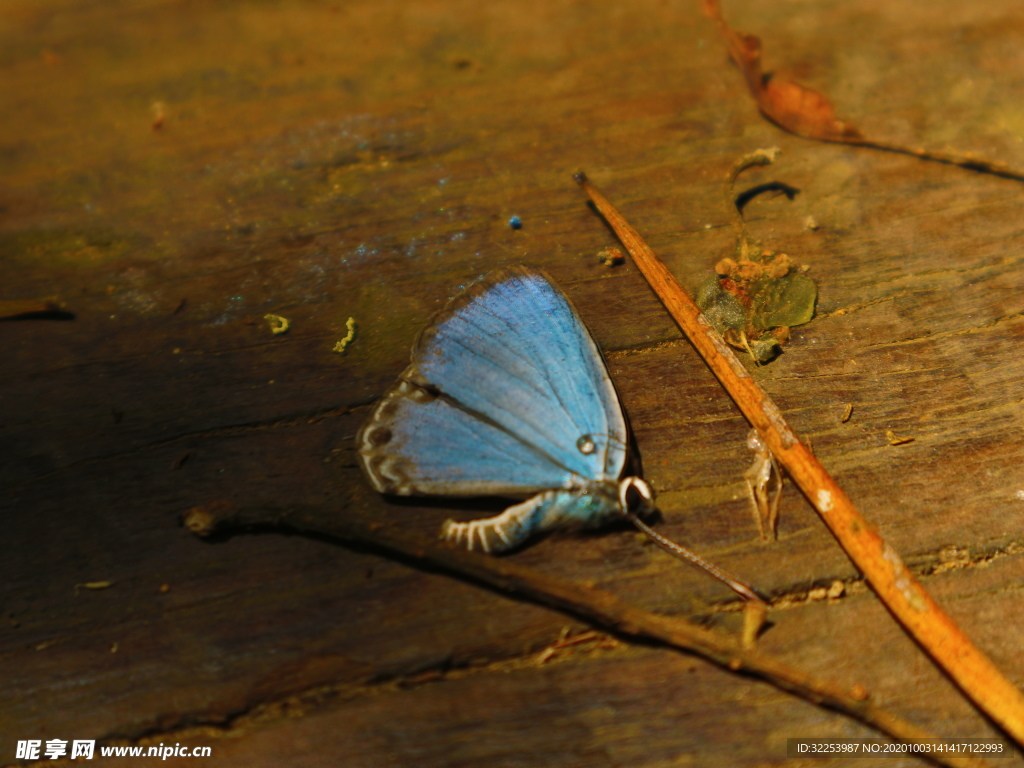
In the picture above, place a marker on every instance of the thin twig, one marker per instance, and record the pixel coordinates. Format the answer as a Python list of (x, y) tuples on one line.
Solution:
[(745, 245), (964, 160), (600, 608), (881, 565)]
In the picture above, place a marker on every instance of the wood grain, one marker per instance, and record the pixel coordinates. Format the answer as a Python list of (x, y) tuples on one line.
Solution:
[(362, 160)]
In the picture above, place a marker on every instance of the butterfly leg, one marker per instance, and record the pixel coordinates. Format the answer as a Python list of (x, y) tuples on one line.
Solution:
[(509, 529)]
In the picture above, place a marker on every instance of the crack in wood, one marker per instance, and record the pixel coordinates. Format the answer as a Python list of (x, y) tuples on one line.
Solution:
[(951, 333), (195, 726), (857, 307), (276, 422)]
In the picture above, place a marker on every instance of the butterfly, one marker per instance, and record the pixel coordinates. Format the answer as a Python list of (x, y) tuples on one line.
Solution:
[(507, 394)]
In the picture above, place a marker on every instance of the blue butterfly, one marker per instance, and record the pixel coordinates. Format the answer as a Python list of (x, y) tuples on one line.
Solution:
[(506, 394)]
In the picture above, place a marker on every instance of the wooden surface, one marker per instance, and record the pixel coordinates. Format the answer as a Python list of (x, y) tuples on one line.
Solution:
[(361, 159)]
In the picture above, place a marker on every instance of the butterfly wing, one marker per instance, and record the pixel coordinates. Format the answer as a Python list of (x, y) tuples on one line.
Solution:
[(507, 393)]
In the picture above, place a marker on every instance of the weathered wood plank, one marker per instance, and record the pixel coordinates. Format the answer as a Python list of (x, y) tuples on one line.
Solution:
[(321, 162), (620, 706)]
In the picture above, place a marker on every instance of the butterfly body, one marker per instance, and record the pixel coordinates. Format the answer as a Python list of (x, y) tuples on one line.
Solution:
[(589, 507), (506, 394)]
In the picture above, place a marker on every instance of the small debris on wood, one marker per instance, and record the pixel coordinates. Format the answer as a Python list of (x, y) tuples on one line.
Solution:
[(755, 295), (758, 476), (754, 613), (159, 115), (894, 439), (859, 693), (342, 344), (93, 585), (278, 324), (611, 257)]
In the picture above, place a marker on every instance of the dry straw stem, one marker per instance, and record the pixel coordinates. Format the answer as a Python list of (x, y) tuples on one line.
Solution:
[(600, 608), (881, 565)]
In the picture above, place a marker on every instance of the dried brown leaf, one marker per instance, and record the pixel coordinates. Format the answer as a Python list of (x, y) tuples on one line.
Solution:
[(808, 113), (786, 103)]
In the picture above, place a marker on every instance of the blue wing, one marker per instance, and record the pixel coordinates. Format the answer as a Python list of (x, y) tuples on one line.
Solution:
[(506, 393)]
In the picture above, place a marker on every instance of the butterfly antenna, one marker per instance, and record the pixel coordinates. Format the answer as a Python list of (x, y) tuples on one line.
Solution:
[(746, 591)]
